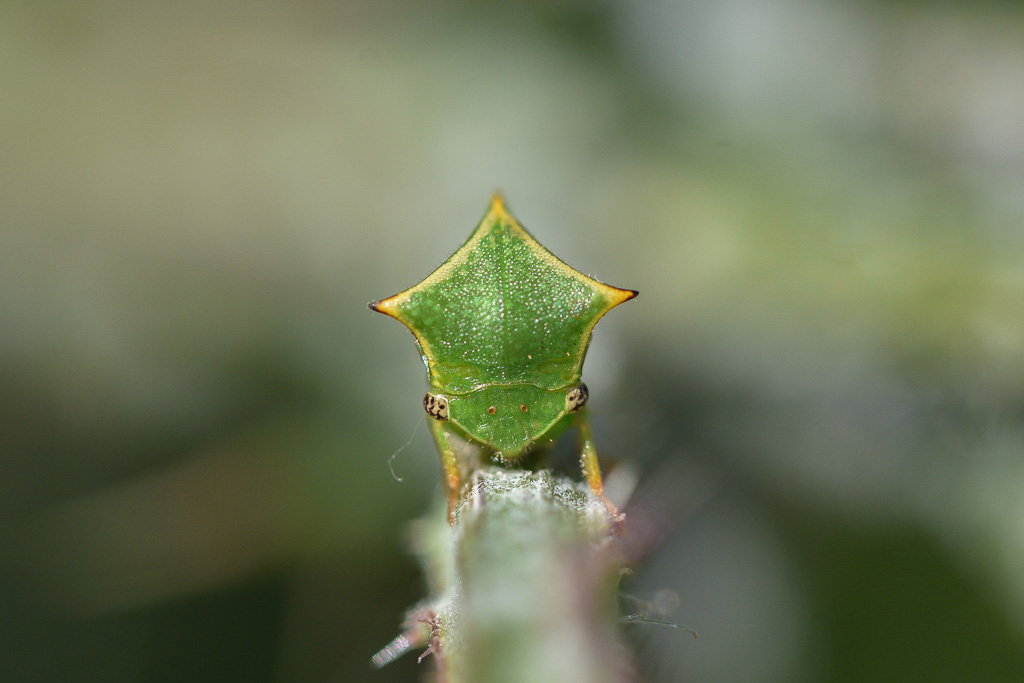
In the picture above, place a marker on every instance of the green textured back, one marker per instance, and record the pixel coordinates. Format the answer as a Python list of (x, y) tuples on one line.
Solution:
[(503, 310)]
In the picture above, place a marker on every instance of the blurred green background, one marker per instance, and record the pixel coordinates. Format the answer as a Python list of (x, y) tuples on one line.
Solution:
[(821, 203)]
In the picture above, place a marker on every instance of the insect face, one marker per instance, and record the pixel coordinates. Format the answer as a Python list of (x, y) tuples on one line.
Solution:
[(507, 418)]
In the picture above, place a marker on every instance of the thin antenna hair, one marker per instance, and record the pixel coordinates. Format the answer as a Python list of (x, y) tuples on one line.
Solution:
[(391, 458)]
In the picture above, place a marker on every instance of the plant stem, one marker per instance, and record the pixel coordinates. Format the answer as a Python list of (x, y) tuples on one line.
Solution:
[(524, 582)]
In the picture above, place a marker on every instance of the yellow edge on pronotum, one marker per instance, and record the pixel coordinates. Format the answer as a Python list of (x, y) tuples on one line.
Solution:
[(496, 213)]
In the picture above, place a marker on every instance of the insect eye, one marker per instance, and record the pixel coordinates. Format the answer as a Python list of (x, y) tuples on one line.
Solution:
[(492, 410), (436, 406), (576, 397)]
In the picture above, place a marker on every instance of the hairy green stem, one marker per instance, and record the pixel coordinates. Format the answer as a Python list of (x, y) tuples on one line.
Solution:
[(524, 584)]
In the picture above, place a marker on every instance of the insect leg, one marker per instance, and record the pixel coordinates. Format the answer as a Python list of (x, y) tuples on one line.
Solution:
[(449, 462), (588, 454), (588, 460)]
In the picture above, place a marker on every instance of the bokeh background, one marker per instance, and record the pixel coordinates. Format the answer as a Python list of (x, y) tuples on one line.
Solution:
[(821, 203)]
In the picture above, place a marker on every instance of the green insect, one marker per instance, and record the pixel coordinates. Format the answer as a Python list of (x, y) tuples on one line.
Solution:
[(503, 327)]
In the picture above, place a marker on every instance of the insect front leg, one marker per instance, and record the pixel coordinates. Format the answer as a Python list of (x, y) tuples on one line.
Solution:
[(588, 461), (449, 462)]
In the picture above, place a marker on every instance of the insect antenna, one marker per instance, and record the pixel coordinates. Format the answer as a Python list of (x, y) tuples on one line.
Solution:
[(642, 618), (391, 458), (664, 601)]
